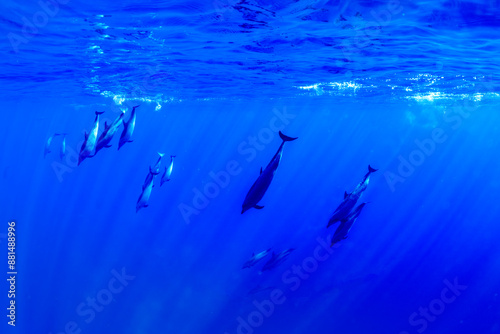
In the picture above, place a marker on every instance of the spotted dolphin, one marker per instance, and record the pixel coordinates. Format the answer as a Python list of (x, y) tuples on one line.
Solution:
[(88, 147), (128, 129), (155, 169), (108, 133), (277, 259), (143, 201), (346, 225), (256, 258), (168, 171), (47, 144), (260, 186), (351, 199)]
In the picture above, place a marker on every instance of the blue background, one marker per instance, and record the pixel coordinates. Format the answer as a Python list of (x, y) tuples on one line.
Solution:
[(209, 76)]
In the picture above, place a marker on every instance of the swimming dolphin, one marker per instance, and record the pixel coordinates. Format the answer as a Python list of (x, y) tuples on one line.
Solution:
[(88, 146), (47, 145), (143, 200), (108, 133), (155, 169), (168, 171), (62, 152), (351, 199), (128, 129), (277, 259), (256, 258), (260, 186), (346, 224)]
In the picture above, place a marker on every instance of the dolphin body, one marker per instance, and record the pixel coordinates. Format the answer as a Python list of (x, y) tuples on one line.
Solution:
[(260, 185), (88, 146), (346, 224), (155, 169), (277, 259), (47, 145), (256, 258), (143, 201), (168, 171), (351, 199), (62, 152), (108, 133), (128, 129)]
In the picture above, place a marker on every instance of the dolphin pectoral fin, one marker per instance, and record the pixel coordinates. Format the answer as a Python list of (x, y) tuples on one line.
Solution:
[(129, 141), (260, 170), (258, 206), (105, 125), (345, 194)]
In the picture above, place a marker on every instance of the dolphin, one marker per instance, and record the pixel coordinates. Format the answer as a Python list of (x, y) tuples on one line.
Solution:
[(47, 145), (256, 258), (260, 185), (346, 224), (351, 199), (143, 201), (168, 171), (108, 133), (62, 152), (88, 146), (128, 129), (155, 169), (277, 259)]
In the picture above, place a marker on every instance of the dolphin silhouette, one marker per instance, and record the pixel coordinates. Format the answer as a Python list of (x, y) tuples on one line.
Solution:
[(89, 143), (168, 171), (108, 133), (260, 185), (351, 199), (346, 225), (128, 129)]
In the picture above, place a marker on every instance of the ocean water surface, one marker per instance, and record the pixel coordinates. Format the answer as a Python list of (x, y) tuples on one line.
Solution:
[(410, 88)]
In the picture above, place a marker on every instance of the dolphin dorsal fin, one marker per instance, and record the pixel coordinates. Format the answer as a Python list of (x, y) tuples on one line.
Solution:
[(106, 125), (260, 170), (86, 135), (345, 194)]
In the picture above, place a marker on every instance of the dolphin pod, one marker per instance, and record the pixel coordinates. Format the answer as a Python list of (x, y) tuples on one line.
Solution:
[(260, 185), (351, 199)]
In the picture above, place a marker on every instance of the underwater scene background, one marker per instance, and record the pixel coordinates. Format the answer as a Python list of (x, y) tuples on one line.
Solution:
[(408, 88)]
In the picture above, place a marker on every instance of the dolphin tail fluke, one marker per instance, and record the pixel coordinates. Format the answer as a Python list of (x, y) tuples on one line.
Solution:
[(286, 138), (161, 154), (371, 169), (172, 156), (99, 113)]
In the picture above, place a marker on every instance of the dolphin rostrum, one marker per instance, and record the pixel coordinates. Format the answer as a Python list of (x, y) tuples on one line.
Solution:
[(346, 224), (108, 133), (128, 129), (88, 147), (168, 171), (260, 186), (256, 258), (143, 201), (351, 199)]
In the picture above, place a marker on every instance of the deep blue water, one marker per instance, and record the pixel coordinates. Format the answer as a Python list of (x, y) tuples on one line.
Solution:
[(410, 88)]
